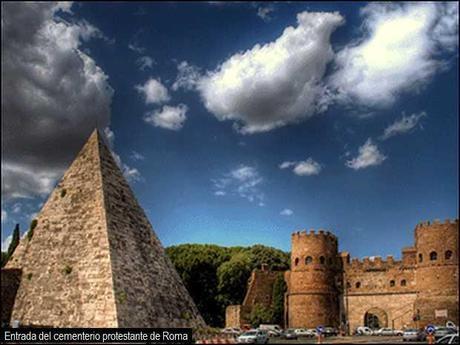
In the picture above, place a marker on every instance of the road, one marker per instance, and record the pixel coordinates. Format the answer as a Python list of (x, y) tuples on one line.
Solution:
[(345, 340)]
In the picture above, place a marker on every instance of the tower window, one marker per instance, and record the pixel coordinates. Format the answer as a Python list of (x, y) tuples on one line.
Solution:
[(348, 285), (322, 260), (296, 261), (448, 255), (330, 261), (358, 285), (420, 257), (308, 260), (392, 283), (433, 256), (403, 282)]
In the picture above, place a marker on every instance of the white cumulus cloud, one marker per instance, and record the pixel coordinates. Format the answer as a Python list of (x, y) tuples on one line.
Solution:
[(130, 173), (403, 125), (154, 91), (369, 155), (264, 12), (287, 212), (244, 181), (398, 52), (274, 84), (145, 62), (187, 77), (168, 117), (303, 168)]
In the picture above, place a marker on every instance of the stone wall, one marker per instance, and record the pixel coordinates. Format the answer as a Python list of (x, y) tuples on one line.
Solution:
[(437, 271), (312, 297), (423, 283), (393, 309), (259, 291), (260, 287), (237, 316)]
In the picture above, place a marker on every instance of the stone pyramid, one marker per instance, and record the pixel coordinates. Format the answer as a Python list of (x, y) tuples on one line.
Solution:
[(93, 259)]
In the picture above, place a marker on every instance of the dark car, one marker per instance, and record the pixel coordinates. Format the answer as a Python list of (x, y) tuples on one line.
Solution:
[(413, 334), (330, 331), (289, 334)]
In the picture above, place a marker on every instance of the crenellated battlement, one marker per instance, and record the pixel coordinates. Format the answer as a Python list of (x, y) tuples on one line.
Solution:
[(370, 263), (321, 234), (428, 223)]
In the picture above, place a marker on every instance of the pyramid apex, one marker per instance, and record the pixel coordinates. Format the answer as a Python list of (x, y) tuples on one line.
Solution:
[(98, 136)]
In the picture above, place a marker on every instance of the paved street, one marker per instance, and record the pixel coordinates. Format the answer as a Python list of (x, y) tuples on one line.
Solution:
[(344, 340)]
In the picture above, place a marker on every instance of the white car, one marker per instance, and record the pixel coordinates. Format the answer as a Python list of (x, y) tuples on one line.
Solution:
[(363, 330), (302, 332), (448, 339), (253, 336), (273, 330), (388, 331)]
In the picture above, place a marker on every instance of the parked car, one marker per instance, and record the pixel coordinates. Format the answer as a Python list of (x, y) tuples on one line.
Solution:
[(274, 328), (388, 331), (313, 332), (255, 336), (303, 332), (363, 330), (272, 333), (289, 334), (448, 339), (443, 331), (330, 331), (231, 331), (413, 334)]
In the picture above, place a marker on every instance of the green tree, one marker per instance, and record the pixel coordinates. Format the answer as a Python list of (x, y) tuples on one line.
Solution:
[(233, 278), (197, 265), (260, 314), (275, 259), (4, 258), (12, 246), (14, 241), (279, 288)]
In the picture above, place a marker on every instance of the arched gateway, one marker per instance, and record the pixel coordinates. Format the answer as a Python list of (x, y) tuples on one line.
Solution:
[(375, 318)]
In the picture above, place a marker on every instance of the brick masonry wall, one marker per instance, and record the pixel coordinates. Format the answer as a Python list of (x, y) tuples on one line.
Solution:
[(260, 291), (260, 287), (437, 280), (397, 309), (396, 290), (237, 316), (312, 297)]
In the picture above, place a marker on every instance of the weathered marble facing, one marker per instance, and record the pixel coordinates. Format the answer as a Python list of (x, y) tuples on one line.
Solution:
[(93, 259)]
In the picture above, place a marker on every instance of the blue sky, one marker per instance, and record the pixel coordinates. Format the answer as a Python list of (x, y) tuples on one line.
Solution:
[(239, 123)]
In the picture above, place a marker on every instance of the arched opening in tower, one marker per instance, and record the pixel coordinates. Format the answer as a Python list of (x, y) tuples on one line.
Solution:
[(375, 318)]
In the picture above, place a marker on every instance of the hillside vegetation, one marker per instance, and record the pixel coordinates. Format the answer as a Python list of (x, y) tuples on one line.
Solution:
[(217, 276)]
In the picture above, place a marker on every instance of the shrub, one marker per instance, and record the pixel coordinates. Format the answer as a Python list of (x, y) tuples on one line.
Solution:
[(67, 270), (31, 230)]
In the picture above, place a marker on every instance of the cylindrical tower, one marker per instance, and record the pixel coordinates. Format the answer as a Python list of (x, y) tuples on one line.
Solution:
[(437, 272), (312, 297)]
